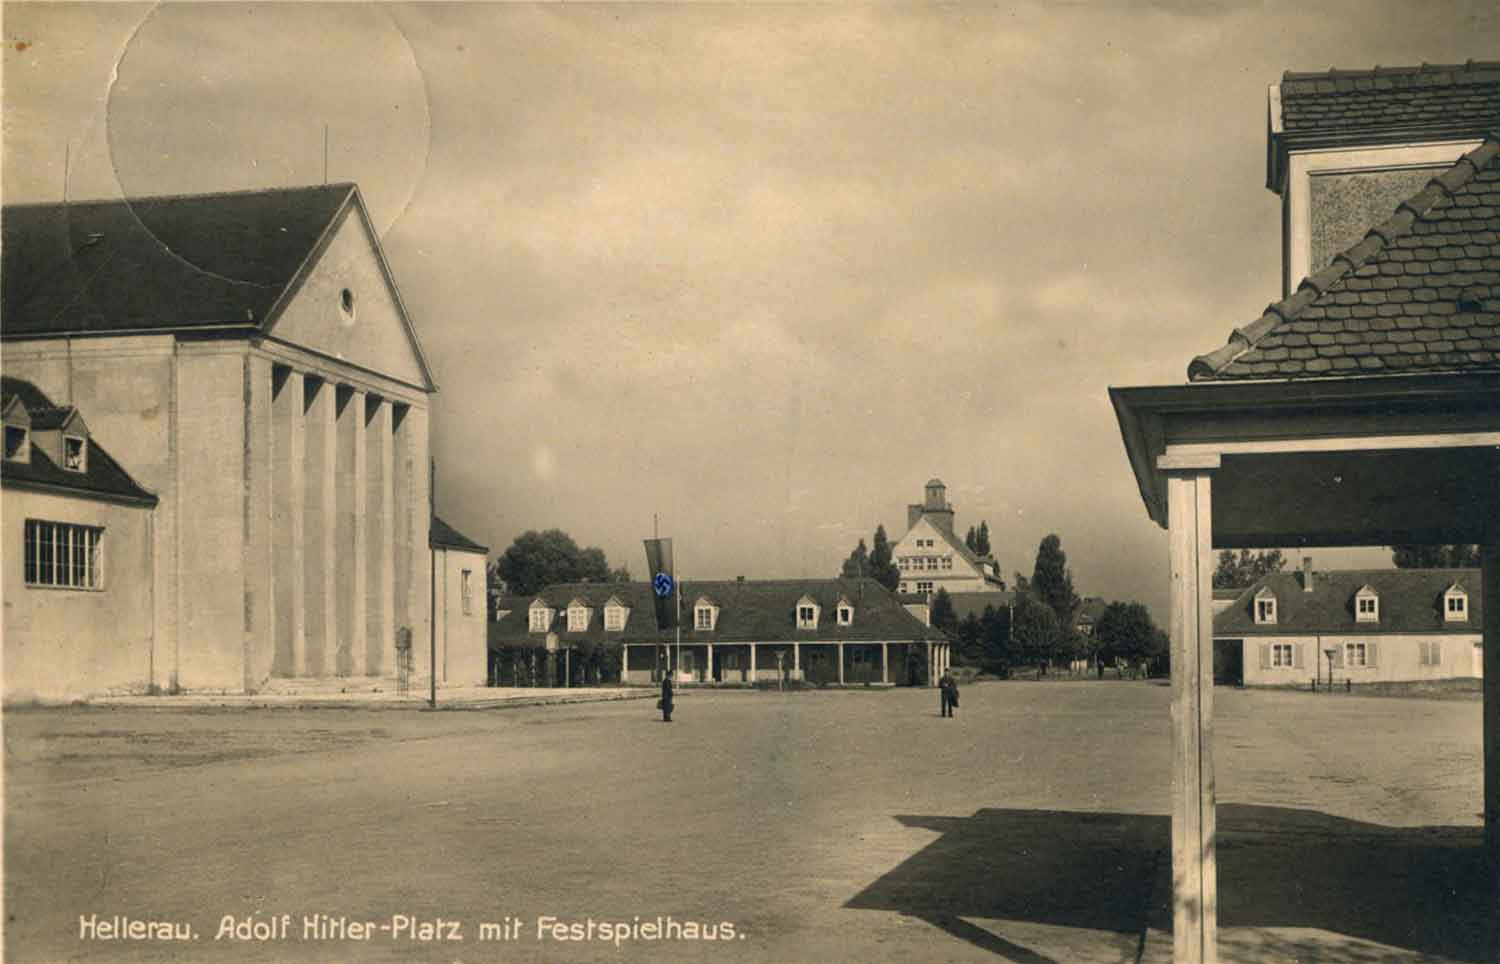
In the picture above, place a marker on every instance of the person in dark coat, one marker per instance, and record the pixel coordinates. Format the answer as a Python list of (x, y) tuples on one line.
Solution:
[(948, 693), (666, 697)]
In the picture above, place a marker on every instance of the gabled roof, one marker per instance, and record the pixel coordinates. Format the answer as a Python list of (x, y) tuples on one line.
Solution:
[(168, 263), (103, 478), (445, 536), (1420, 293), (761, 611), (1410, 602)]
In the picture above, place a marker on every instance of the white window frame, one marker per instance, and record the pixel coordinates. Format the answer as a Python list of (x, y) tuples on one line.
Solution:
[(74, 555), (82, 462), (1432, 652), (846, 615), (807, 615), (466, 590), (703, 618), (924, 585), (540, 619), (1363, 651), (1360, 601), (1452, 613), (1265, 610), (614, 618), (578, 619), (1283, 655)]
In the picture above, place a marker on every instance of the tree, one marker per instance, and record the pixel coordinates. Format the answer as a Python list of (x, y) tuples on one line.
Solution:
[(1052, 582), (882, 567), (942, 615), (622, 574), (1125, 631), (1239, 571), (995, 641), (1436, 557), (971, 539), (1033, 629), (858, 563), (538, 559), (981, 545)]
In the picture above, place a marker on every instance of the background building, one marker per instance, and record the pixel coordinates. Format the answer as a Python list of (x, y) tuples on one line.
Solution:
[(826, 631), (931, 557), (1379, 624)]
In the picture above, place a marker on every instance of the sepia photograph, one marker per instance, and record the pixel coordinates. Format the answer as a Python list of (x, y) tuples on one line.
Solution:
[(750, 482)]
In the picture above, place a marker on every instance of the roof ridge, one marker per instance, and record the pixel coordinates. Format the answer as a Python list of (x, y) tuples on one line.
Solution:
[(182, 196), (1376, 240), (1468, 66)]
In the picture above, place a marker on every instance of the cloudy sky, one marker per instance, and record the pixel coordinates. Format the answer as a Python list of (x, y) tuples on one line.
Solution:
[(761, 270)]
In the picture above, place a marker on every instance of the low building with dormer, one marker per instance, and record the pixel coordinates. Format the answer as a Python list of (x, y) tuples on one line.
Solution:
[(733, 632), (930, 556), (79, 555), (1363, 625)]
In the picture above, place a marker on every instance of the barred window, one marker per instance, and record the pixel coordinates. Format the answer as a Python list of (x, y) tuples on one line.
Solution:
[(64, 554), (467, 588)]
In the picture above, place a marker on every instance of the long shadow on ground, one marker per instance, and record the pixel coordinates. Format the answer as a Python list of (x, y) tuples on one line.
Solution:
[(1425, 889)]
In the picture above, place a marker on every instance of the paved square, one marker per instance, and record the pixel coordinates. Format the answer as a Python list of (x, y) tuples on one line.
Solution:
[(822, 826)]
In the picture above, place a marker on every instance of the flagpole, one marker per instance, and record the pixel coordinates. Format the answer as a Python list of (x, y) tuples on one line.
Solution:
[(677, 592)]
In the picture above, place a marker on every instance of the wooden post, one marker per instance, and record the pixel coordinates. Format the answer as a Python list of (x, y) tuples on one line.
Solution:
[(1490, 580), (841, 664), (752, 664), (1194, 869), (796, 660), (885, 662), (708, 667)]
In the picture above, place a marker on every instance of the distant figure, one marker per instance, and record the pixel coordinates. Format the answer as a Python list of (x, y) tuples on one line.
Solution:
[(948, 693), (665, 703), (1099, 666)]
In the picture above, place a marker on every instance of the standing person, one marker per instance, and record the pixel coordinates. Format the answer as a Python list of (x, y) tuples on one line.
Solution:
[(947, 693), (666, 697)]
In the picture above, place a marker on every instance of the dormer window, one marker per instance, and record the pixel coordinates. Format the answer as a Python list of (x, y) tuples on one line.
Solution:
[(807, 613), (578, 617), (1265, 608), (541, 617), (846, 614), (75, 453), (17, 444), (1367, 606), (614, 616), (1455, 604)]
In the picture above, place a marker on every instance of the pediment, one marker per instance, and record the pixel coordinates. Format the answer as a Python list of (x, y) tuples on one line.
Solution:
[(344, 305)]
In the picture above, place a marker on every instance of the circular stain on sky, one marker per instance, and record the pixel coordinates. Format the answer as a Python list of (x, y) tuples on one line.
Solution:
[(232, 97)]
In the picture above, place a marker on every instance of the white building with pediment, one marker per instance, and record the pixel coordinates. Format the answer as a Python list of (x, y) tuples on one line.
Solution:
[(931, 556)]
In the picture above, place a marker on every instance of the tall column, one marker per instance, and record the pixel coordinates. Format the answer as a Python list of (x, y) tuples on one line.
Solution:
[(320, 508), (1490, 577), (752, 664), (403, 494), (708, 668), (885, 662), (259, 507), (380, 563), (289, 443), (841, 664), (350, 532), (796, 660), (1194, 865)]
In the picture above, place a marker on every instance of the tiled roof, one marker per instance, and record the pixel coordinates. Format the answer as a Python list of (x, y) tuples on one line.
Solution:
[(157, 263), (1411, 601), (102, 478), (442, 534), (1386, 98), (1420, 293), (761, 611)]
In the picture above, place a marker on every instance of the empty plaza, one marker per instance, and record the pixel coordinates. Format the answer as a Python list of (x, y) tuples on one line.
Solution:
[(824, 826)]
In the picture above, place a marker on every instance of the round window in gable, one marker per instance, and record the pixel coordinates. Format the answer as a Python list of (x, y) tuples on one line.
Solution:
[(346, 304)]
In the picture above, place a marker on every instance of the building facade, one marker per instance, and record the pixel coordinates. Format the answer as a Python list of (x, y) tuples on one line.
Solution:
[(930, 556), (79, 555), (249, 357), (461, 634), (1364, 626), (740, 632)]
